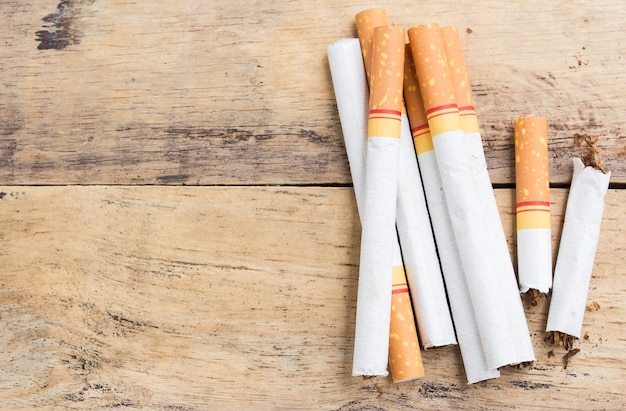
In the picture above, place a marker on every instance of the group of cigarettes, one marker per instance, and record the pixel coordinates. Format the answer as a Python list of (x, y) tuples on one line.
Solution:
[(434, 258)]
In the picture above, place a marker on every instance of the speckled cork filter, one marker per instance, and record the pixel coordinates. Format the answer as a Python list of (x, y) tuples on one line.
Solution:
[(349, 82), (532, 197), (405, 358), (500, 318), (468, 336)]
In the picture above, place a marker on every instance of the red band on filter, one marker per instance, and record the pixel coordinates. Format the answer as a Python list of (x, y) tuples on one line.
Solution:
[(420, 131), (460, 80), (386, 81), (433, 73)]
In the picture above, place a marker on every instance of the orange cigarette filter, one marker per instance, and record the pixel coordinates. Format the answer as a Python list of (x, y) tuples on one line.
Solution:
[(460, 80), (422, 138), (435, 83), (366, 21), (531, 173), (387, 78), (405, 358)]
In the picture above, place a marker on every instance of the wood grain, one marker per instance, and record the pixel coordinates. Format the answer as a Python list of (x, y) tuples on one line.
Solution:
[(211, 93), (190, 298)]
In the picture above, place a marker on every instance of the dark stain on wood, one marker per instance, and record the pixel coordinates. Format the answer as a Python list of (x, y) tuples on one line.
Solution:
[(7, 156), (439, 390), (527, 385), (113, 396), (61, 29), (11, 120), (173, 179)]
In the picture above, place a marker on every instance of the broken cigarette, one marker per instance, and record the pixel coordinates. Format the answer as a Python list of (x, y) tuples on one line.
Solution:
[(534, 245), (500, 318), (577, 249), (349, 82), (470, 344)]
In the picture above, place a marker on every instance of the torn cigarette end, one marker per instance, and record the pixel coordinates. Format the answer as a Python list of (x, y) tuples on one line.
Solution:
[(591, 156), (561, 339), (405, 358), (536, 296)]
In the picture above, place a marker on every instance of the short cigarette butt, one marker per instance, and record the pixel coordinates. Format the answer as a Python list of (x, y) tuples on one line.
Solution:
[(534, 245), (460, 79), (405, 358), (422, 138), (366, 21), (434, 78)]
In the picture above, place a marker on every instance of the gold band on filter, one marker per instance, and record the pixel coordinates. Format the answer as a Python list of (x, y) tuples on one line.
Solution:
[(532, 181), (460, 80), (366, 21), (387, 77), (384, 123), (422, 138), (433, 73), (405, 358)]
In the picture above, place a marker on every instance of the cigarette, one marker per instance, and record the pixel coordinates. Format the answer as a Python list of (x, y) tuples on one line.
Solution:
[(500, 319), (405, 358), (501, 256), (351, 92), (577, 249), (371, 345), (470, 344), (534, 243), (419, 251), (491, 214)]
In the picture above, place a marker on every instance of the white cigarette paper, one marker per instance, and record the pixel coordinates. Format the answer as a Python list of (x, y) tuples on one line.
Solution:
[(470, 343), (423, 271), (577, 249)]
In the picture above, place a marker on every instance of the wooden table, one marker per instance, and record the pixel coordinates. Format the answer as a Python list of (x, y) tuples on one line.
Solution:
[(179, 229)]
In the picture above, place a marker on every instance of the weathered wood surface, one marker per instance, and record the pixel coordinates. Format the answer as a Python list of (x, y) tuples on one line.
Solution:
[(194, 298), (239, 92)]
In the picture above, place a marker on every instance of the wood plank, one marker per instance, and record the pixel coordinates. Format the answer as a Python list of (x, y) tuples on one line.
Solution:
[(187, 92), (233, 298)]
